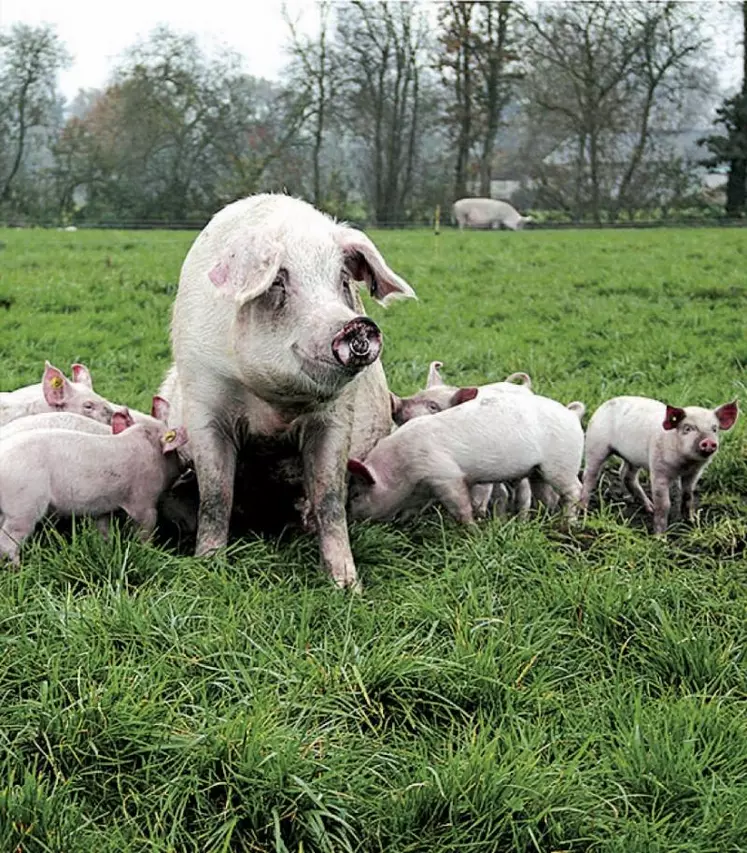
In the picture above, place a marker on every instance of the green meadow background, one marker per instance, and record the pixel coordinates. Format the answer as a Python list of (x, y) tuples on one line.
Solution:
[(512, 688)]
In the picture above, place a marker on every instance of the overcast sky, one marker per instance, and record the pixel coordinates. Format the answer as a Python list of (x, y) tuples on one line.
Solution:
[(97, 32)]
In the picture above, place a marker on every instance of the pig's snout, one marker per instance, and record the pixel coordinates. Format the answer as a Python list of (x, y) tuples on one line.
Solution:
[(708, 446), (357, 344)]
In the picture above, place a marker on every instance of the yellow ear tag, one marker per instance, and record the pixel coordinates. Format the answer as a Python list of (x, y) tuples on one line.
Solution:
[(169, 436), (55, 382)]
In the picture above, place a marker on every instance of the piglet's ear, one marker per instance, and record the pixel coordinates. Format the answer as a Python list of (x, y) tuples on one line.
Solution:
[(434, 377), (520, 378), (121, 421), (463, 395), (54, 385), (82, 376), (365, 263), (247, 267), (160, 409), (673, 417), (727, 414), (173, 439), (361, 470)]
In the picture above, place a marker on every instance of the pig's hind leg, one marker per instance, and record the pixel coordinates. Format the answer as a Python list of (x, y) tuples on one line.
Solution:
[(596, 455), (15, 529), (629, 479), (566, 483)]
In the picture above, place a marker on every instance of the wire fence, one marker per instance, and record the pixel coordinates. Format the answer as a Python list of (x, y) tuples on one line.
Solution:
[(196, 225)]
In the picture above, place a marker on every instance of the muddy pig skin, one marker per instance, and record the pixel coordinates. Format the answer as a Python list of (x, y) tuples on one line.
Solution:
[(56, 393), (269, 340), (494, 438), (671, 443), (72, 472)]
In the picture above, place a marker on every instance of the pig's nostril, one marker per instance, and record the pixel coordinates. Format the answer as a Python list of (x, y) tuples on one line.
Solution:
[(360, 346)]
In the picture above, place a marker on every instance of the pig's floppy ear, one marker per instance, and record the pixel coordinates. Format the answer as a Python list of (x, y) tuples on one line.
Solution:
[(361, 470), (365, 263), (160, 409), (246, 268), (434, 377), (673, 417), (54, 385), (727, 414), (82, 376), (173, 439), (462, 395)]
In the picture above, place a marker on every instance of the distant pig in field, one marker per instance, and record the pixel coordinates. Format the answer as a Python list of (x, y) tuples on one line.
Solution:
[(672, 443), (438, 396), (72, 472), (487, 213), (270, 342), (495, 438), (56, 393)]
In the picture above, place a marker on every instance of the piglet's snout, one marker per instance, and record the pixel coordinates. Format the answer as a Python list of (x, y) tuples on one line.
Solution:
[(357, 344), (708, 446)]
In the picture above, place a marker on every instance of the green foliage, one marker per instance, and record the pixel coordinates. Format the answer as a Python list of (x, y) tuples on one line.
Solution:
[(513, 688)]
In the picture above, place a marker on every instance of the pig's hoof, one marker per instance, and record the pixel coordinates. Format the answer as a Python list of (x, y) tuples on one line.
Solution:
[(351, 584), (205, 549)]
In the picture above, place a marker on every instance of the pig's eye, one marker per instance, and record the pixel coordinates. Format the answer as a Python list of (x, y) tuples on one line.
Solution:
[(433, 408), (276, 294), (88, 406), (686, 429), (715, 428)]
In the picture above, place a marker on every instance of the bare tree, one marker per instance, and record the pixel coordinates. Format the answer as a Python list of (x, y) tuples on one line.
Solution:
[(495, 56), (315, 72), (383, 99), (596, 70), (30, 58)]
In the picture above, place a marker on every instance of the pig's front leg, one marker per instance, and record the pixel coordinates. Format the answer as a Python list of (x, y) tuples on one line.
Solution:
[(689, 482), (661, 500), (324, 451), (214, 456), (455, 496)]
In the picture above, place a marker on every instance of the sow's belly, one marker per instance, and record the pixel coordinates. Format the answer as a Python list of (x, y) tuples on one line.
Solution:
[(268, 492)]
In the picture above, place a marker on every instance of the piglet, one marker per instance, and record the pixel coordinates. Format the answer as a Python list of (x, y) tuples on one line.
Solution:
[(75, 472), (494, 438), (73, 421), (670, 442), (56, 393), (437, 396)]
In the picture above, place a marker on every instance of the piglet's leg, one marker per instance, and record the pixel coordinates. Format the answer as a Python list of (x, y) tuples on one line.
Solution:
[(454, 494), (688, 494), (523, 498), (480, 497), (14, 530), (662, 501), (145, 519), (629, 479), (324, 450), (596, 454)]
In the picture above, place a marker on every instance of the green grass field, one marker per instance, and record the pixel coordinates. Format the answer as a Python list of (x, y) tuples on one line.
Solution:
[(515, 688)]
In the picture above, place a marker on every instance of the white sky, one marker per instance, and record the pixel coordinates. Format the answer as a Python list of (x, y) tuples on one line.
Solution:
[(96, 32)]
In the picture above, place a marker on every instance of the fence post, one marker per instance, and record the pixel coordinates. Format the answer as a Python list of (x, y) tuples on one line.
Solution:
[(437, 220)]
